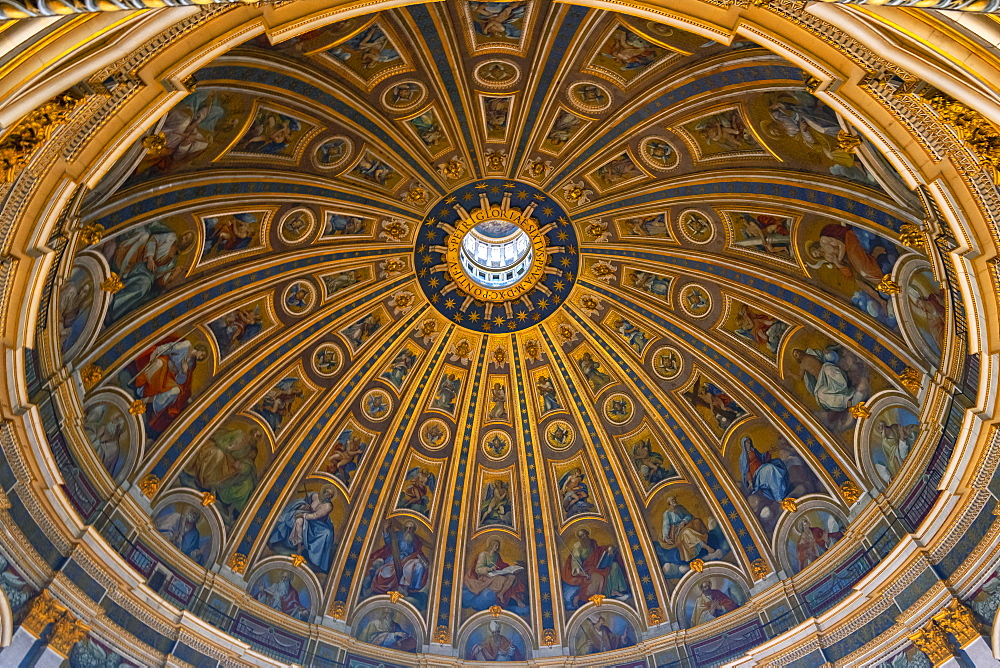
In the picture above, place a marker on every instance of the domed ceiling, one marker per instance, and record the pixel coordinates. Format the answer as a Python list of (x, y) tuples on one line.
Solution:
[(500, 330)]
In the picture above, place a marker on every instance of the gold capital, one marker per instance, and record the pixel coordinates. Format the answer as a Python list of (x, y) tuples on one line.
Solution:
[(155, 144), (66, 632), (933, 641), (549, 637), (113, 283), (655, 616), (42, 611), (442, 635), (912, 236), (959, 621), (847, 141)]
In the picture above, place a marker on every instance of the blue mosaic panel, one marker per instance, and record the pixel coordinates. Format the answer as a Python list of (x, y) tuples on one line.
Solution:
[(258, 75), (537, 525), (371, 503), (621, 508), (448, 569), (324, 418)]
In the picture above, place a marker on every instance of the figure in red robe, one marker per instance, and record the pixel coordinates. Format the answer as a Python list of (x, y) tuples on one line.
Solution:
[(162, 379), (711, 603)]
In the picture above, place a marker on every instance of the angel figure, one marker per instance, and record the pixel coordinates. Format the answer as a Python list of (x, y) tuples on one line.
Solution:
[(418, 490)]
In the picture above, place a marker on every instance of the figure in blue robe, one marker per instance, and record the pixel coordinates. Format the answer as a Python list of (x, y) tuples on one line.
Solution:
[(305, 528), (762, 472)]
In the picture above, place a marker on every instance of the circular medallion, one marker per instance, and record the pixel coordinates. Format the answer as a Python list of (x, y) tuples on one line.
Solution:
[(658, 153), (327, 360), (497, 74), (333, 152), (376, 405), (434, 433), (496, 256), (696, 226), (559, 434), (618, 408), (404, 96), (695, 300), (496, 444), (667, 363), (298, 297), (296, 226), (660, 29), (588, 96)]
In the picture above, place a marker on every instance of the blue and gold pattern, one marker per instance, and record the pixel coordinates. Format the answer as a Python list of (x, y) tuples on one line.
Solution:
[(526, 309), (574, 447)]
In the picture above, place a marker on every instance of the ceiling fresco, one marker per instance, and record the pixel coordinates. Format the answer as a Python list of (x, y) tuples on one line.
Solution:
[(714, 352)]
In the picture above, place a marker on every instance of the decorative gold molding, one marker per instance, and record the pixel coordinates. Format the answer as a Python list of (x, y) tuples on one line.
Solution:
[(850, 491), (981, 136), (888, 286), (113, 283), (238, 562), (442, 635), (860, 411), (495, 610), (31, 9), (20, 143), (149, 484), (759, 569), (960, 5), (910, 379)]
